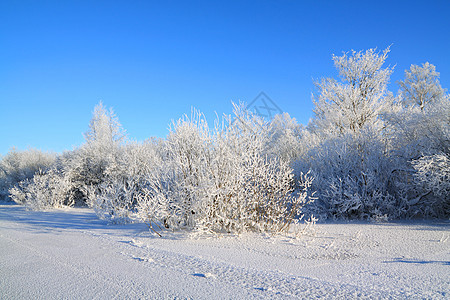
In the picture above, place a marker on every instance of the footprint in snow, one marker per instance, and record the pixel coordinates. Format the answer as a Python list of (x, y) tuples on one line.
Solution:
[(144, 259), (136, 243), (204, 275), (268, 289)]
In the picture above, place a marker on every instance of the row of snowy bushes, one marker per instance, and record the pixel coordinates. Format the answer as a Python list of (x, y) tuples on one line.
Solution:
[(213, 180), (367, 154)]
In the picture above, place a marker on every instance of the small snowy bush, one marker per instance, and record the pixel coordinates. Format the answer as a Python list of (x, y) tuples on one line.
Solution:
[(116, 197), (17, 166), (42, 191), (433, 176)]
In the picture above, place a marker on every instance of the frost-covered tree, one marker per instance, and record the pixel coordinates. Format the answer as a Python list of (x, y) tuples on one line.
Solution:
[(348, 154), (421, 85), (420, 142), (75, 176), (105, 130), (358, 99), (88, 166)]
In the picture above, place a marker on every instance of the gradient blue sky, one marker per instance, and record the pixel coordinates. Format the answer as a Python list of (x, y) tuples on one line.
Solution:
[(152, 61)]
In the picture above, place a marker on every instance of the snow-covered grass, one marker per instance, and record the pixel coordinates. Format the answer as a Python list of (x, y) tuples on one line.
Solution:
[(71, 254)]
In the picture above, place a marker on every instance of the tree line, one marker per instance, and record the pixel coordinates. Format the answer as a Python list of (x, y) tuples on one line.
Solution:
[(366, 154)]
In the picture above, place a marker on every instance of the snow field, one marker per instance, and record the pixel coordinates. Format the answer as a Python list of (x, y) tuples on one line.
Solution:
[(70, 254)]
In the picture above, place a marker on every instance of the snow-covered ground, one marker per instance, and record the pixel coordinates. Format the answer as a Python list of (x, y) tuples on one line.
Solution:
[(70, 254)]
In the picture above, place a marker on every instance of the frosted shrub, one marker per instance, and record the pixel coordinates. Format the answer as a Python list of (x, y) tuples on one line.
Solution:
[(351, 177), (17, 166), (180, 182), (434, 171), (420, 139), (43, 191), (116, 197), (285, 138), (113, 201), (83, 172), (221, 181), (260, 188), (433, 175)]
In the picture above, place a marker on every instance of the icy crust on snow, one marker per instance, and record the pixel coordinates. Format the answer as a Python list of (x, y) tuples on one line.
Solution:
[(70, 254)]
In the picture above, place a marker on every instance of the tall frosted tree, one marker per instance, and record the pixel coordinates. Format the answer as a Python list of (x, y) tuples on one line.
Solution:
[(358, 98), (421, 86), (348, 159), (105, 129), (90, 165)]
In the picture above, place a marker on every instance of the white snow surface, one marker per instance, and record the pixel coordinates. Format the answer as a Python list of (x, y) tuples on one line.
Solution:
[(71, 254)]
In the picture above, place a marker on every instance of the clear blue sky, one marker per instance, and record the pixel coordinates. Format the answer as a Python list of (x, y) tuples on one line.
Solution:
[(154, 60)]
